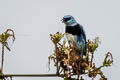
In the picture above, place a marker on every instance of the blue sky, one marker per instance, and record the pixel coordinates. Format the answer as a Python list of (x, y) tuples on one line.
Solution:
[(34, 20)]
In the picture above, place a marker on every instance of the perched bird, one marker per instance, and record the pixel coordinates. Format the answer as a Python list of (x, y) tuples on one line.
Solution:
[(75, 34)]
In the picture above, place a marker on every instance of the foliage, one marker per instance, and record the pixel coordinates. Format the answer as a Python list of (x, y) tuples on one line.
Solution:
[(69, 63), (5, 36)]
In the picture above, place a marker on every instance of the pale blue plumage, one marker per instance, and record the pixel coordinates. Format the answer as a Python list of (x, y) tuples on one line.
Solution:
[(82, 43)]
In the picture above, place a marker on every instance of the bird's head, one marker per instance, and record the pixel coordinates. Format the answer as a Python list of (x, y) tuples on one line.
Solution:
[(69, 20)]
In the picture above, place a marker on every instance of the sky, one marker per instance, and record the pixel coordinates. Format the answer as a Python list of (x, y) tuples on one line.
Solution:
[(33, 21)]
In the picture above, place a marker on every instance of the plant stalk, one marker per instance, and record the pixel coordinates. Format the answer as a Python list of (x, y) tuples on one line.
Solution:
[(56, 60), (92, 58), (2, 57)]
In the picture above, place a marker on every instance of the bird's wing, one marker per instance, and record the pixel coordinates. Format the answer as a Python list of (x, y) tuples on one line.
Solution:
[(81, 44), (82, 32)]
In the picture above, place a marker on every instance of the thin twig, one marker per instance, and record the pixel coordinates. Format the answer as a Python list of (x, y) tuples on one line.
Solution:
[(29, 75), (92, 58), (56, 59), (2, 57)]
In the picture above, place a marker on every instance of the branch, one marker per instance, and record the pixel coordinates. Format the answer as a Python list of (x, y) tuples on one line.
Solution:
[(29, 75)]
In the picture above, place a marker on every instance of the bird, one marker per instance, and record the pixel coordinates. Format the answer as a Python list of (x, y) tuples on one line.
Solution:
[(75, 34)]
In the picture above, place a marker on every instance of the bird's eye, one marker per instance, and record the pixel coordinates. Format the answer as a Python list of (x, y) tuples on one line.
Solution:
[(67, 19)]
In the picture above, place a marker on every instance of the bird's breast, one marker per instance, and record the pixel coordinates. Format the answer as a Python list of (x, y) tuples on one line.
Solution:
[(70, 37)]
